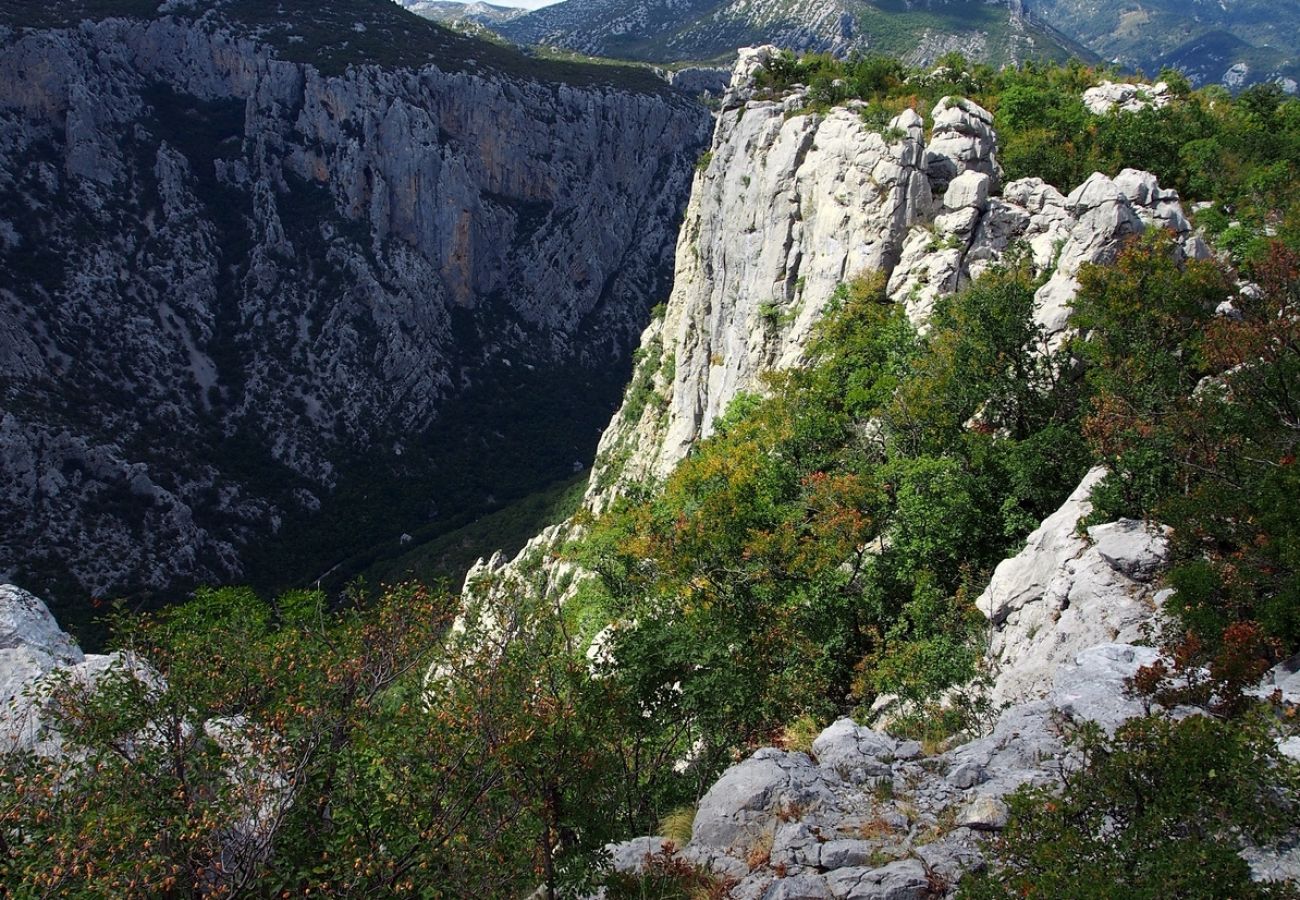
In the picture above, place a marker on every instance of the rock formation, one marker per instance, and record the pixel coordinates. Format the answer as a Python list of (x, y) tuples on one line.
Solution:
[(867, 816), (789, 205), (238, 282)]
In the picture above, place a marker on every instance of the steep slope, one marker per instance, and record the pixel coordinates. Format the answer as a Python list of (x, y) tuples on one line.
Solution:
[(1237, 43), (670, 30), (791, 203), (281, 281)]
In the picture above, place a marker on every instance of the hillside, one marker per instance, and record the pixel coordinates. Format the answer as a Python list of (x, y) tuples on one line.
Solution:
[(1235, 44), (283, 282), (673, 30), (943, 546)]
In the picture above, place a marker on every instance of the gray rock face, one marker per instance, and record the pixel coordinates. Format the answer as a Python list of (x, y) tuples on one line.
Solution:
[(1066, 592), (734, 812), (233, 283), (789, 206)]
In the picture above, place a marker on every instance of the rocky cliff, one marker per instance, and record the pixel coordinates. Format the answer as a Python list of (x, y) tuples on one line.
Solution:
[(263, 268), (791, 203)]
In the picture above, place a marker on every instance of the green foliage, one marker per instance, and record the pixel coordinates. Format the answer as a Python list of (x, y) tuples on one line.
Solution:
[(820, 548), (676, 826), (1159, 810), (1195, 414)]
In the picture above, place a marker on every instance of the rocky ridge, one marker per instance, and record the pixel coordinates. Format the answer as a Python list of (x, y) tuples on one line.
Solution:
[(867, 816), (791, 204), (788, 206), (239, 282)]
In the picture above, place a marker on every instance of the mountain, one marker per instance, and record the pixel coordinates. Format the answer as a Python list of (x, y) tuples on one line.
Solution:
[(675, 30), (1234, 43), (451, 11), (283, 281)]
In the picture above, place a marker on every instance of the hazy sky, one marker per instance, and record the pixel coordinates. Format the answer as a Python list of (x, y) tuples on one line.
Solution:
[(524, 4)]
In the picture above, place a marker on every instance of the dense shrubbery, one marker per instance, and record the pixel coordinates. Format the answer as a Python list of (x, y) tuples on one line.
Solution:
[(821, 549)]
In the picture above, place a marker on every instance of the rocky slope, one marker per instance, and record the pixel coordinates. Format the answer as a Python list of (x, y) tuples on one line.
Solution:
[(866, 816), (670, 30), (788, 206), (264, 268), (1235, 44)]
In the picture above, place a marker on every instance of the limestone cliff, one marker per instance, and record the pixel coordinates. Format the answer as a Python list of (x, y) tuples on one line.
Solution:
[(792, 202), (254, 269)]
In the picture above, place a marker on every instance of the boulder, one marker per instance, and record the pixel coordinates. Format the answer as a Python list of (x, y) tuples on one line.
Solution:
[(745, 801), (902, 880), (1110, 96), (984, 814)]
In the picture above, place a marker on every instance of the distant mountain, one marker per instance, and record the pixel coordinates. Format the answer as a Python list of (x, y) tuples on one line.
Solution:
[(1235, 42), (451, 12), (919, 31)]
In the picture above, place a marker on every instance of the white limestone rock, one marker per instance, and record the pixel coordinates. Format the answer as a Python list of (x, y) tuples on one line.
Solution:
[(1109, 96), (734, 813), (26, 622), (961, 140), (1065, 592)]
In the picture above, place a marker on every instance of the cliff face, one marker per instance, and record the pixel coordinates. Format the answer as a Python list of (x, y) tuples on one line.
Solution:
[(235, 286), (790, 204)]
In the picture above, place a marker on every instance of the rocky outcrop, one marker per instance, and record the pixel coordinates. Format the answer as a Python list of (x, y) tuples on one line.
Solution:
[(1069, 590), (1125, 97), (238, 286), (32, 646), (792, 203), (865, 815)]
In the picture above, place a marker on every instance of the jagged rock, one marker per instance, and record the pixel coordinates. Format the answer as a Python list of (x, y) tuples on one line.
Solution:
[(734, 812), (1063, 594), (26, 623), (901, 880), (961, 140), (984, 814), (789, 207), (1110, 95)]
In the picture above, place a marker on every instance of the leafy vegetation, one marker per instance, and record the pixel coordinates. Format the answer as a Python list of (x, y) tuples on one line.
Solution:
[(1240, 154), (1159, 810)]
